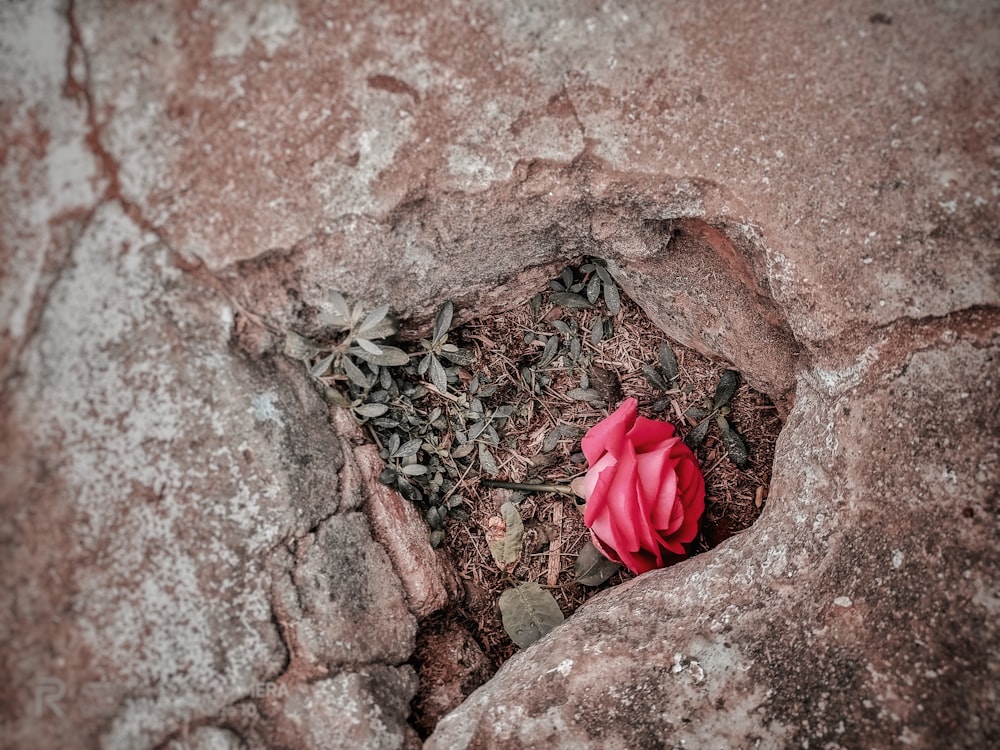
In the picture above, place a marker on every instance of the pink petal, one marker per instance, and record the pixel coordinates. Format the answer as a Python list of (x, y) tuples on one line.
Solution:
[(649, 434), (676, 519), (595, 514), (603, 548), (623, 504), (590, 479), (666, 496), (609, 434)]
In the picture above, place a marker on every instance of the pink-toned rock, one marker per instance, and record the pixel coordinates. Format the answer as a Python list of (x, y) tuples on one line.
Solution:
[(429, 581), (809, 195)]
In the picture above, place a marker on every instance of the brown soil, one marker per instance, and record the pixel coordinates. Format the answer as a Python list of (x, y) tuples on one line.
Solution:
[(554, 530)]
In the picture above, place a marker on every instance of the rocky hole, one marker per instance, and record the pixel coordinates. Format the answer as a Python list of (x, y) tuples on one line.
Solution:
[(508, 396)]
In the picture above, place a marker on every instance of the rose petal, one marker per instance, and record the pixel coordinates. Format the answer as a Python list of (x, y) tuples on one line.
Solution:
[(603, 548), (641, 562), (676, 519), (595, 514), (591, 478), (666, 496), (623, 504), (649, 434), (609, 434), (648, 486)]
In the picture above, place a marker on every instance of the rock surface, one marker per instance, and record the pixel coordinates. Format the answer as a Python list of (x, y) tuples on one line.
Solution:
[(811, 194)]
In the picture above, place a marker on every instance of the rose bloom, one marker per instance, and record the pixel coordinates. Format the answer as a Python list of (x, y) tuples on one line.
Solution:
[(644, 490)]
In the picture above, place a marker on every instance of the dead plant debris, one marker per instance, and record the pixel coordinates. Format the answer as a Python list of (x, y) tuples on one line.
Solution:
[(508, 397)]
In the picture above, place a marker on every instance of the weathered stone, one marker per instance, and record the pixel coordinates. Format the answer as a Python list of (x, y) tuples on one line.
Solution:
[(341, 603), (859, 611), (429, 582), (355, 711), (811, 196)]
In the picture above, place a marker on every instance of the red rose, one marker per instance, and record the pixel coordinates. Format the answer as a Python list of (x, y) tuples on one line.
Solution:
[(644, 490)]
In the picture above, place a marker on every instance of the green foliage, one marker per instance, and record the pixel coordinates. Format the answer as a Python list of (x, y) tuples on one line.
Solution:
[(716, 410)]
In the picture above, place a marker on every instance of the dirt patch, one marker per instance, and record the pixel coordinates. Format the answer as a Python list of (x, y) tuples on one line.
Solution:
[(552, 400)]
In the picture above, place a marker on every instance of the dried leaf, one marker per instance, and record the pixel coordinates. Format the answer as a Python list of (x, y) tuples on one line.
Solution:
[(300, 347), (592, 568), (697, 435), (735, 447), (570, 301), (442, 322), (506, 537), (597, 331), (390, 356), (486, 461), (437, 374), (371, 410), (528, 612), (654, 377), (535, 303), (668, 362), (463, 450), (552, 440), (728, 383), (584, 394)]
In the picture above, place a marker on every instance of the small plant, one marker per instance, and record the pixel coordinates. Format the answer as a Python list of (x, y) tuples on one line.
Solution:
[(717, 410)]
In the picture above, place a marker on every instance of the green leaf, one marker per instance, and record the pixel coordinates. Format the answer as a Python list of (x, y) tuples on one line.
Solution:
[(570, 301), (602, 272), (567, 277), (369, 347), (338, 314), (654, 377), (414, 470), (371, 410), (442, 322), (373, 319), (379, 324), (407, 449), (593, 290), (584, 394), (435, 518), (437, 536), (354, 373), (460, 357), (592, 568), (437, 374), (506, 550), (697, 435), (300, 347), (528, 612), (668, 362), (728, 383), (695, 413), (735, 447), (550, 351), (319, 369), (390, 356), (535, 303), (612, 298)]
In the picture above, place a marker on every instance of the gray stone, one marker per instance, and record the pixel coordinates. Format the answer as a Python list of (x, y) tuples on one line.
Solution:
[(354, 711), (811, 196)]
